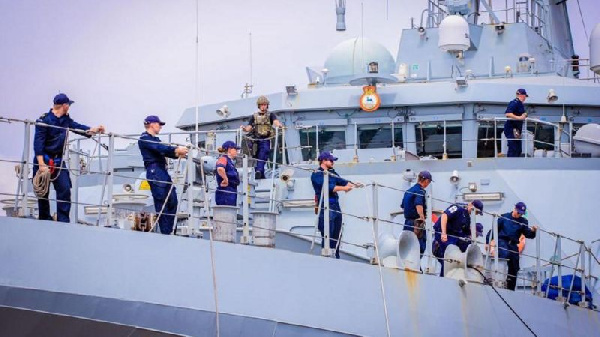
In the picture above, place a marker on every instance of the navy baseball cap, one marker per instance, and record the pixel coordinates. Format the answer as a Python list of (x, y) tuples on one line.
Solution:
[(229, 145), (425, 175), (325, 155), (522, 92), (478, 205), (62, 99), (153, 119), (521, 207)]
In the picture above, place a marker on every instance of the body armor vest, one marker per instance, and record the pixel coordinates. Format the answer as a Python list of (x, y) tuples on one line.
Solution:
[(262, 124)]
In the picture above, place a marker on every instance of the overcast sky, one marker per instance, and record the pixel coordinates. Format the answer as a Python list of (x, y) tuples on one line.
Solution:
[(121, 60)]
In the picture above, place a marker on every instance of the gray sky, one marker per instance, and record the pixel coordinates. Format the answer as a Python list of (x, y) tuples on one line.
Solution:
[(121, 60)]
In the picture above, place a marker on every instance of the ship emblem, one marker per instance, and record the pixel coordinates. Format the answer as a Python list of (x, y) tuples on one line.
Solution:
[(370, 100)]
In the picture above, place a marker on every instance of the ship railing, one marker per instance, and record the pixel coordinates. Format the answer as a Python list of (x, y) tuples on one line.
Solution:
[(583, 254), (559, 131)]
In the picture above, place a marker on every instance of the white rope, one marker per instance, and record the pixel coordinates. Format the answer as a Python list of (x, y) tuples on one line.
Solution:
[(385, 310)]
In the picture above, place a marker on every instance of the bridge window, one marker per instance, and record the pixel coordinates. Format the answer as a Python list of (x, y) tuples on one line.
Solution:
[(329, 138), (379, 136), (430, 139)]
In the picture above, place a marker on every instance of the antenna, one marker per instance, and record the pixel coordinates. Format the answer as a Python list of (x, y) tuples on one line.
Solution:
[(196, 79), (248, 87)]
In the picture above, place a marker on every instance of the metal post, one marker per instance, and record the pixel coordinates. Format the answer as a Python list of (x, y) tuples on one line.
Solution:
[(25, 171), (272, 192), (496, 250), (526, 134), (559, 252), (445, 155), (283, 153), (109, 172), (326, 239), (582, 252), (355, 143), (245, 211), (75, 180), (190, 177), (573, 276), (375, 215), (538, 286), (495, 139), (570, 138), (428, 231), (317, 140)]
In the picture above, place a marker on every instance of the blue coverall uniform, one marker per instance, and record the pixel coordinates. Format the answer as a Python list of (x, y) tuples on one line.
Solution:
[(509, 232), (263, 146), (154, 153), (414, 196), (458, 230), (335, 215), (517, 108), (49, 142), (227, 195)]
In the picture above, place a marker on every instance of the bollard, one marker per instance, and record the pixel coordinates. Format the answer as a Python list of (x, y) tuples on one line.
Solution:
[(263, 228), (225, 223)]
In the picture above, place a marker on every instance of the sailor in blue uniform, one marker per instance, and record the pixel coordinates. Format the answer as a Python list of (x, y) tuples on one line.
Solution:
[(161, 186), (227, 175), (510, 227), (336, 184), (454, 228), (49, 146), (261, 127), (515, 112), (415, 207)]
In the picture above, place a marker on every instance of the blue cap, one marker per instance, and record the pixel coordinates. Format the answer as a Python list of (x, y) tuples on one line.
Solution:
[(478, 205), (425, 175), (521, 207), (522, 92), (325, 155), (62, 99), (229, 145), (479, 229), (153, 119)]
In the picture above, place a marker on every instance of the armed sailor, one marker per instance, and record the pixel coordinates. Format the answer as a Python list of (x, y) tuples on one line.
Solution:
[(227, 175), (49, 145), (261, 128), (336, 184), (515, 112), (415, 207), (454, 228), (510, 227), (161, 185)]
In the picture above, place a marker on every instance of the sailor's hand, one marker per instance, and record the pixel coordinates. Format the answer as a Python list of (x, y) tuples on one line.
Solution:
[(100, 129), (348, 187), (43, 168), (534, 228), (225, 183), (444, 237), (181, 151)]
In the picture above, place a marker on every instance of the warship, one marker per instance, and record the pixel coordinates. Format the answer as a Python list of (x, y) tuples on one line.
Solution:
[(258, 269)]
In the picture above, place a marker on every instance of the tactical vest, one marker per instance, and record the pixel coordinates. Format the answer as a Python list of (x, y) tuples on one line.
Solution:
[(262, 124)]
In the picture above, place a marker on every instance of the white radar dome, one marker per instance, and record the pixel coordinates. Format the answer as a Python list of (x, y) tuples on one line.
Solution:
[(595, 49), (454, 34)]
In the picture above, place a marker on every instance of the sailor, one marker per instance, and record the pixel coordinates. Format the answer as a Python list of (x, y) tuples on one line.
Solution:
[(161, 185), (454, 228), (415, 206), (336, 184), (49, 145), (227, 175), (510, 227), (515, 112), (261, 127)]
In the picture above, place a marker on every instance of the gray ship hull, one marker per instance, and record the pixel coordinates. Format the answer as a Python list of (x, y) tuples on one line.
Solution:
[(165, 284)]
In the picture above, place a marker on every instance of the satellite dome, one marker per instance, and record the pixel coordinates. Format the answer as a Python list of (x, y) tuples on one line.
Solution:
[(359, 58)]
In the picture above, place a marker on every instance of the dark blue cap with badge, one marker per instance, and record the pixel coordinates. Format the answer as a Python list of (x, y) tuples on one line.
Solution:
[(522, 92), (478, 205), (425, 175), (153, 119), (521, 207), (325, 155), (62, 99), (229, 145)]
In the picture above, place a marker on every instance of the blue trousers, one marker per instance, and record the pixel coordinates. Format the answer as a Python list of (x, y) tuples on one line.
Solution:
[(62, 186), (226, 196), (335, 226), (439, 248), (409, 226), (262, 154), (514, 144), (160, 184)]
